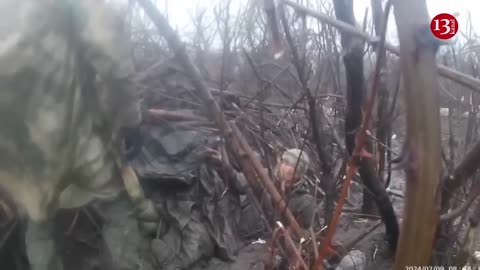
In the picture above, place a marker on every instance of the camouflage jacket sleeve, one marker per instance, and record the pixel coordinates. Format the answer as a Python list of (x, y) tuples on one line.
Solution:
[(107, 49), (303, 208)]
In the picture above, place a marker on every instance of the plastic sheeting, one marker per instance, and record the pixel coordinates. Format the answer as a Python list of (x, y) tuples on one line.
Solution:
[(200, 211)]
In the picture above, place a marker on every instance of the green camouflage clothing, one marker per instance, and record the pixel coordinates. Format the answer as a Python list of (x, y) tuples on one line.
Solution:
[(56, 135), (300, 202), (299, 199), (302, 205)]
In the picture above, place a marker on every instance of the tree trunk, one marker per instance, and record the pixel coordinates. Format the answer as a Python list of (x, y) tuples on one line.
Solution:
[(424, 167), (383, 124), (353, 61)]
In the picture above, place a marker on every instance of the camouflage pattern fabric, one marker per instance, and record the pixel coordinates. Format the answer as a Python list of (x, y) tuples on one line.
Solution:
[(300, 202), (57, 132), (302, 205)]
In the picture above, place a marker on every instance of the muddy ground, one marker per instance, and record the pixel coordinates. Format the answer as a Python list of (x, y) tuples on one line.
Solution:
[(130, 251), (351, 225), (133, 254), (82, 248)]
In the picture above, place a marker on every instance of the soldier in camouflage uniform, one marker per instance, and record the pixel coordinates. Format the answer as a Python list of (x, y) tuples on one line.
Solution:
[(290, 172), (59, 135)]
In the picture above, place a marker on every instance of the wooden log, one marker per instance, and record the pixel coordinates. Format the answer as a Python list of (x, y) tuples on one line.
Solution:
[(424, 165)]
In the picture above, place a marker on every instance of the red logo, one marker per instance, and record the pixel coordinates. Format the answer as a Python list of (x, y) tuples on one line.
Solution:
[(444, 26)]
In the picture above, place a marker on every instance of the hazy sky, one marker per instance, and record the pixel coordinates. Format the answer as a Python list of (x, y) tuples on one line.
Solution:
[(179, 10)]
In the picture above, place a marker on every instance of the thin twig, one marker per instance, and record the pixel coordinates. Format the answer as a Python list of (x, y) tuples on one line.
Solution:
[(461, 78)]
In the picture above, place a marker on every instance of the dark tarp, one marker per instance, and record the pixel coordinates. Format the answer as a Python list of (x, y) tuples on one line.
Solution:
[(200, 211)]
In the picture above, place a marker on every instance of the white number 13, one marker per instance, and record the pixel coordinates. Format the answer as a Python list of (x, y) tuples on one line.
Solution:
[(446, 26)]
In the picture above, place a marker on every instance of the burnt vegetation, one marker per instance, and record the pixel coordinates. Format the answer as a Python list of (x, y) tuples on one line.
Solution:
[(393, 136), (309, 74)]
